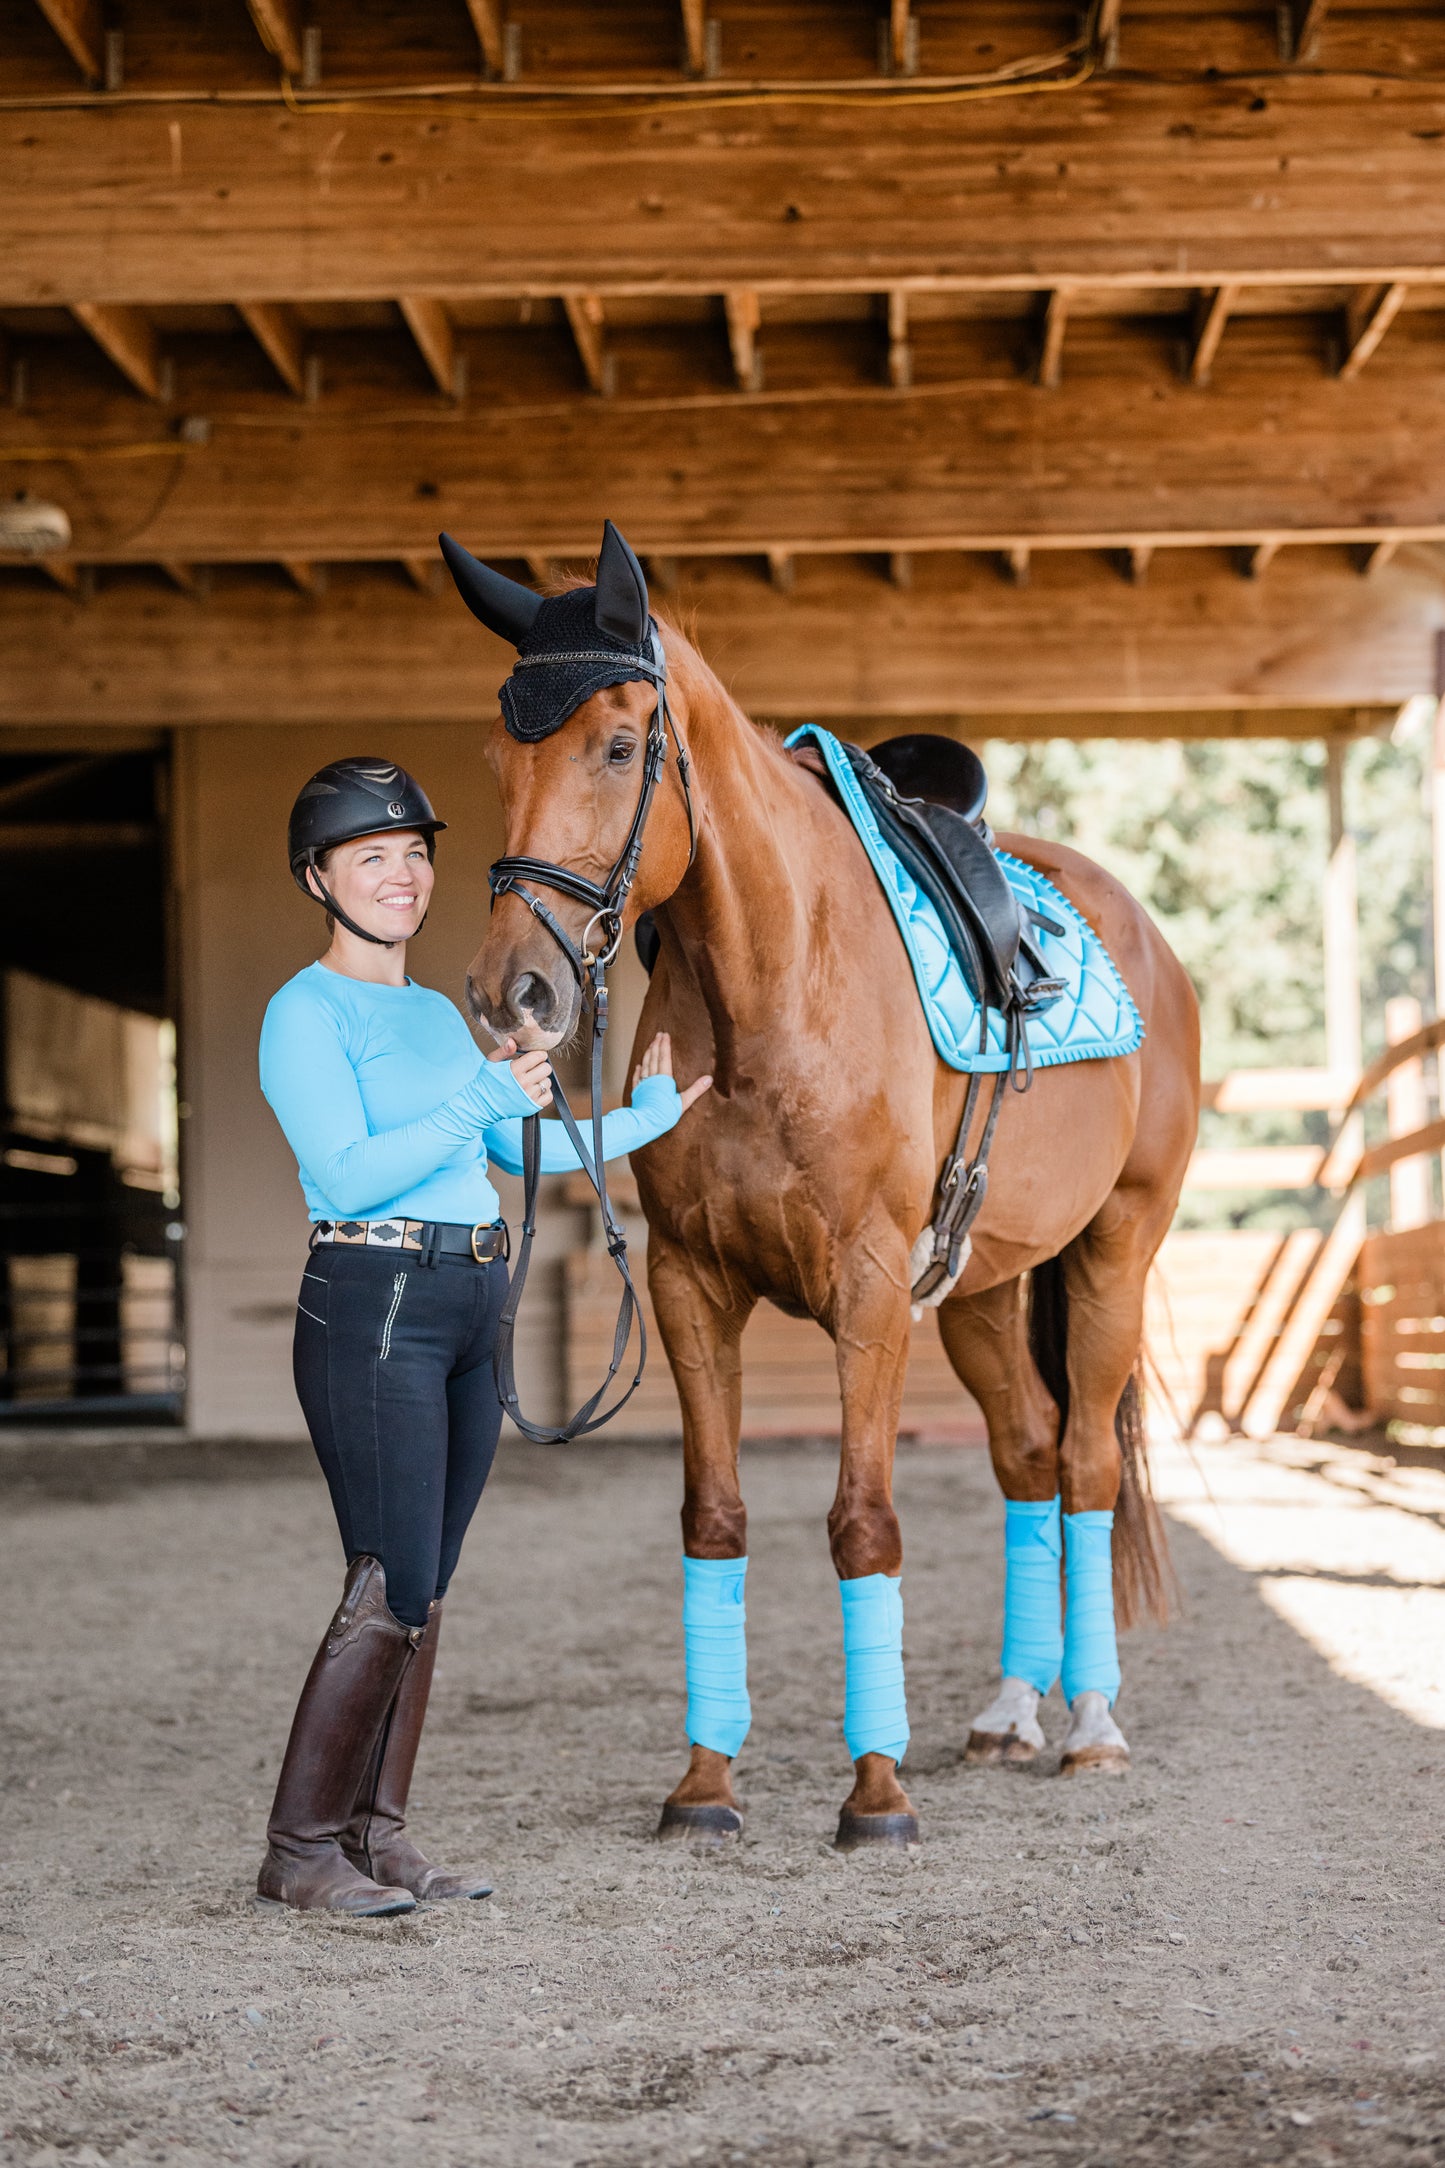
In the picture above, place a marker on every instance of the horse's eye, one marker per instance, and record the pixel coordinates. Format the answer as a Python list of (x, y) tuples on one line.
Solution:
[(620, 751)]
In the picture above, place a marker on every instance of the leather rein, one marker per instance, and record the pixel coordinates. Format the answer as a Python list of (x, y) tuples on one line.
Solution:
[(520, 876)]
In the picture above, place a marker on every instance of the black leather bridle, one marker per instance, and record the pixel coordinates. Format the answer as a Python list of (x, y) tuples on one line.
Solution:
[(520, 876)]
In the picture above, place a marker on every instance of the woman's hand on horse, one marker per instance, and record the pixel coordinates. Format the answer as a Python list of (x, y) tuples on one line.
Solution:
[(657, 1061)]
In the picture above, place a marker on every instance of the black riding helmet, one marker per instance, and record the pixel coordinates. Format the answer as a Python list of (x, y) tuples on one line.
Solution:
[(350, 798)]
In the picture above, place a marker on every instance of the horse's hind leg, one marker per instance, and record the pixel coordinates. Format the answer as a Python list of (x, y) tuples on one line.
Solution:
[(986, 1338), (1109, 1518), (701, 1338)]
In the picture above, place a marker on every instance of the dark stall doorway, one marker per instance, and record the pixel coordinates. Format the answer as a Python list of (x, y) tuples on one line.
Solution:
[(90, 1207)]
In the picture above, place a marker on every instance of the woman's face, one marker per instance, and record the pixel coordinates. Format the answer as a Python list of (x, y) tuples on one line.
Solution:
[(384, 882)]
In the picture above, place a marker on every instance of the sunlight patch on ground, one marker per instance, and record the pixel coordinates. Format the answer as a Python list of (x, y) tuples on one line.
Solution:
[(1347, 1548)]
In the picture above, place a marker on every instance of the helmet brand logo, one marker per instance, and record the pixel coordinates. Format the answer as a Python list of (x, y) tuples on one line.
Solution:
[(396, 809)]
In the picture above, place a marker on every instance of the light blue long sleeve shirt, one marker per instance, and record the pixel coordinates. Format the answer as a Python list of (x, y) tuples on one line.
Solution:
[(393, 1113)]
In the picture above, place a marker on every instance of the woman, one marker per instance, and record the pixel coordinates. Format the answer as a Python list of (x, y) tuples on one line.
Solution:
[(392, 1115)]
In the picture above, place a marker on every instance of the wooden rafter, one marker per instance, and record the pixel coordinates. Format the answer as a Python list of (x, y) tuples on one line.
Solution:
[(539, 570), (431, 327), (1300, 24), (422, 572), (1051, 344), (128, 338), (588, 319), (1016, 563), (900, 38), (282, 32), (1374, 556), (277, 331), (900, 568), (80, 27), (900, 353), (1137, 559), (1367, 319), (60, 572), (744, 319), (302, 573), (782, 570), (489, 20), (695, 36), (1258, 559), (1211, 314), (193, 580)]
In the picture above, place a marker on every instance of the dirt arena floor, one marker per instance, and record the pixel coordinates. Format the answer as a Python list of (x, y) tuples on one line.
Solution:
[(1233, 1955)]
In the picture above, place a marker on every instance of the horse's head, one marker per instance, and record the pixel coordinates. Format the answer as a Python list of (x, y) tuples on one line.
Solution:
[(570, 754)]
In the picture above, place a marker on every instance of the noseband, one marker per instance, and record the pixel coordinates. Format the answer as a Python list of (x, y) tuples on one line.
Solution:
[(607, 900)]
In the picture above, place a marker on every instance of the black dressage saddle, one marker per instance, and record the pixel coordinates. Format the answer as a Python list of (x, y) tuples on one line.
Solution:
[(927, 794)]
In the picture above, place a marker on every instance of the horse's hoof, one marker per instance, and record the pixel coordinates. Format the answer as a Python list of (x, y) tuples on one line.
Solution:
[(1095, 1746), (699, 1825), (1096, 1761), (857, 1830), (999, 1750)]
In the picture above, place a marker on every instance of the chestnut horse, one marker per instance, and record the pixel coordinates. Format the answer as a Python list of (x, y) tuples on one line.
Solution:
[(806, 1174)]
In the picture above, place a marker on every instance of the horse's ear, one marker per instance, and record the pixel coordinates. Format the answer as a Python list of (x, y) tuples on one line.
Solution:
[(502, 605), (621, 605)]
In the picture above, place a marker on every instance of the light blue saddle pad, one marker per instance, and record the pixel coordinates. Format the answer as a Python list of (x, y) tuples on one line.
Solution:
[(1094, 1019)]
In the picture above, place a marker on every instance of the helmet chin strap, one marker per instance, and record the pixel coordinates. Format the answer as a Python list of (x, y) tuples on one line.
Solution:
[(326, 897)]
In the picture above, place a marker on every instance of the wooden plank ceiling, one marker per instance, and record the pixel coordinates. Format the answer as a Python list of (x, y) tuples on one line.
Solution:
[(1093, 363)]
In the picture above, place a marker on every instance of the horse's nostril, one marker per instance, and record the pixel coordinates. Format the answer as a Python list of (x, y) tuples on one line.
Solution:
[(530, 999)]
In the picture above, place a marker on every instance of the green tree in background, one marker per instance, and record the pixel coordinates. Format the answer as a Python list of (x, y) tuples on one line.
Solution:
[(1225, 842)]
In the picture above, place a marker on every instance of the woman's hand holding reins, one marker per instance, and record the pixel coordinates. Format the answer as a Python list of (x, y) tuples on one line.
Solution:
[(532, 1070), (657, 1061)]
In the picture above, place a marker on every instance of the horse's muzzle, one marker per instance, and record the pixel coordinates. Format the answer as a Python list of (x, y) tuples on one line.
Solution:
[(535, 1007)]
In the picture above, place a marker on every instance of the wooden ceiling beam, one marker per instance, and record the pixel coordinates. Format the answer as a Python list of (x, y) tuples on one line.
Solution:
[(1258, 560), (1172, 185), (1266, 458), (80, 27), (127, 337), (282, 32), (431, 327), (1367, 319), (1075, 643), (1301, 22), (277, 331)]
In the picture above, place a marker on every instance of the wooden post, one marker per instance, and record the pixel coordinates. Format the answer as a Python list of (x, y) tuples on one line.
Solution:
[(1343, 1046), (1406, 1111), (1437, 809)]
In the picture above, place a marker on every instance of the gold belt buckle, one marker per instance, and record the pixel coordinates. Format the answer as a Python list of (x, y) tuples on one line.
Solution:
[(477, 1257)]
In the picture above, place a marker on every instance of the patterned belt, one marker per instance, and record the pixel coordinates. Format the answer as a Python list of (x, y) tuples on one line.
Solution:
[(483, 1243)]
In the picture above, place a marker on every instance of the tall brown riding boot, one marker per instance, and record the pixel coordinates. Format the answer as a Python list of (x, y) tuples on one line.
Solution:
[(375, 1840), (352, 1683)]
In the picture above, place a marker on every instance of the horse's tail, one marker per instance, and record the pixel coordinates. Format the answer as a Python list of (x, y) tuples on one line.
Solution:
[(1144, 1582)]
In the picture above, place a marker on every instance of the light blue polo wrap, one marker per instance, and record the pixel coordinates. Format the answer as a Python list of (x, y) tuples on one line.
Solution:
[(1033, 1634), (875, 1710), (715, 1644), (1091, 1649)]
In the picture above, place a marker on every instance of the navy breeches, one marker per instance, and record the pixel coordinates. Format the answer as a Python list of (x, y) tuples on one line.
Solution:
[(393, 1366)]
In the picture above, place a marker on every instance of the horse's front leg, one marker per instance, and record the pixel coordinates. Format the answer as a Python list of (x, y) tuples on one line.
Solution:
[(701, 1336), (870, 1329)]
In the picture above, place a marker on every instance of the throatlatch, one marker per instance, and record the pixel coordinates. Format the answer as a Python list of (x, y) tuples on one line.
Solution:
[(625, 648)]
